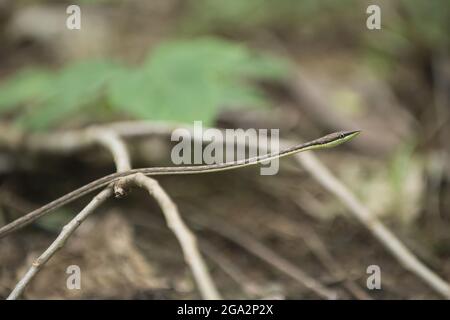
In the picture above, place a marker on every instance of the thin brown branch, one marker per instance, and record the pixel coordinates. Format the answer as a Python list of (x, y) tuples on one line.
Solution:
[(254, 246), (313, 165), (117, 148), (373, 224), (186, 238), (111, 141), (329, 182), (319, 249), (250, 288), (59, 242), (67, 142)]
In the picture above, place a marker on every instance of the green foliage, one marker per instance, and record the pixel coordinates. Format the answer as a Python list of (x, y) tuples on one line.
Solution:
[(179, 81), (72, 88), (416, 27), (426, 21), (190, 80), (25, 86)]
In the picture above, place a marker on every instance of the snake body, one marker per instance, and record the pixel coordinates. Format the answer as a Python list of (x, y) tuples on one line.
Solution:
[(327, 141)]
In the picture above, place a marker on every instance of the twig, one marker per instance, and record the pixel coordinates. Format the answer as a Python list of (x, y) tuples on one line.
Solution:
[(335, 187), (264, 253), (185, 237), (69, 142), (323, 142), (375, 226), (60, 241), (116, 146), (319, 249), (329, 182), (111, 141), (251, 288)]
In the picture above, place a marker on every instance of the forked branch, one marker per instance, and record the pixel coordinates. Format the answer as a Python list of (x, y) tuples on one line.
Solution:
[(112, 142), (59, 242)]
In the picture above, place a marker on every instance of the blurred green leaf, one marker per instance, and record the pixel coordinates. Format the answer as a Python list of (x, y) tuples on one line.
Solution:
[(74, 87), (429, 21), (24, 87), (179, 81), (191, 80)]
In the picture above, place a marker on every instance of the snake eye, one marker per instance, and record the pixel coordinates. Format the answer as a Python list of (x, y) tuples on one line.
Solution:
[(341, 135)]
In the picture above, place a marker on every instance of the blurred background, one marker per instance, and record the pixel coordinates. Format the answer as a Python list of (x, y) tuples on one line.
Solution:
[(305, 67)]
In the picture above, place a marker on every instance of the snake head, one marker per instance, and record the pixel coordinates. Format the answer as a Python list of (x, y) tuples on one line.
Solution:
[(336, 138)]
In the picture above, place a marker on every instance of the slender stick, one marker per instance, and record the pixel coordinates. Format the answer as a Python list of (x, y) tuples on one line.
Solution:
[(320, 173), (251, 288), (313, 165), (185, 237), (313, 241), (266, 254), (111, 141), (59, 242), (373, 224)]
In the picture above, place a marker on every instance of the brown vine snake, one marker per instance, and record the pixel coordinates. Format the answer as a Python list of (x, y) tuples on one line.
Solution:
[(327, 141)]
